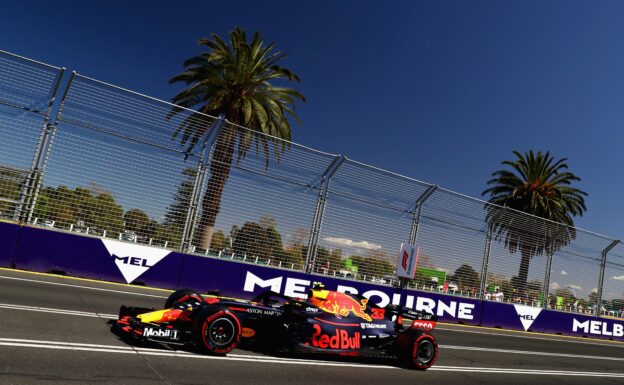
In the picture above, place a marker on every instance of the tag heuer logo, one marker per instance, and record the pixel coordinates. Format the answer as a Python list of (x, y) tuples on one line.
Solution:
[(527, 315), (132, 259)]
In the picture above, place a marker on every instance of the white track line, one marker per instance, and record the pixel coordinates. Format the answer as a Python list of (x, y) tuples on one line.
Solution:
[(533, 353), (56, 311), (277, 360), (82, 287), (450, 347), (545, 338), (574, 340)]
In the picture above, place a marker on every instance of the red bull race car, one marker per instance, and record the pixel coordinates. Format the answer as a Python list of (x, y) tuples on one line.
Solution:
[(327, 322)]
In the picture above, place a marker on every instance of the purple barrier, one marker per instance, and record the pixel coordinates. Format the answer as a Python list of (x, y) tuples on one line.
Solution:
[(43, 250), (83, 256), (89, 257), (8, 239), (528, 318), (245, 280)]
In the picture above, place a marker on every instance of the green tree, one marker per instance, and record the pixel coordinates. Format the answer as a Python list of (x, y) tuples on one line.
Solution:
[(466, 277), (292, 257), (372, 267), (254, 239), (136, 220), (219, 241), (537, 184), (108, 215), (66, 206), (593, 297), (175, 216), (152, 229), (235, 79), (11, 181)]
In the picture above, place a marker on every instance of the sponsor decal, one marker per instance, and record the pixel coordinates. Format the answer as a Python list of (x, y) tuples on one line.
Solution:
[(165, 315), (373, 326), (408, 259), (527, 314), (170, 334), (341, 305), (404, 261), (132, 259), (599, 328), (424, 325), (339, 340), (252, 310), (298, 288), (248, 333), (378, 313), (312, 309)]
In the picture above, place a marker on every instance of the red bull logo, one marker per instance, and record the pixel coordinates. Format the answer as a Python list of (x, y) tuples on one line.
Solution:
[(340, 340), (342, 305)]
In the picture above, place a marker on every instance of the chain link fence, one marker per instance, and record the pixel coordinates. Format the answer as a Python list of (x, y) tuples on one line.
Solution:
[(107, 162)]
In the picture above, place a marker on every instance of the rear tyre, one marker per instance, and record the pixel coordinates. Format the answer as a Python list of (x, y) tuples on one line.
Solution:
[(182, 295), (218, 333), (424, 352), (417, 350)]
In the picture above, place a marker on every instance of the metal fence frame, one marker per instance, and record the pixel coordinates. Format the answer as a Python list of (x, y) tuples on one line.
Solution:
[(323, 189)]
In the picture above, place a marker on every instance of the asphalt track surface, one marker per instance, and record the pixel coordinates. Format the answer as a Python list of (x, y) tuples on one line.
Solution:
[(53, 330)]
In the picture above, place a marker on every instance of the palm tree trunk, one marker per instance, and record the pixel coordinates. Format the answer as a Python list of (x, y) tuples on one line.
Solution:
[(523, 273), (219, 173)]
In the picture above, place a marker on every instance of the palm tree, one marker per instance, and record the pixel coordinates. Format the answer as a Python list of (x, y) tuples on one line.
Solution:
[(234, 79), (537, 185)]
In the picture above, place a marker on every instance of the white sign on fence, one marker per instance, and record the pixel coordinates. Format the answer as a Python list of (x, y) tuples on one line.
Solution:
[(408, 259)]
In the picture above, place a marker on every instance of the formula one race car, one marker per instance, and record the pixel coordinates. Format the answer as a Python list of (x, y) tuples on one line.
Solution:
[(327, 322)]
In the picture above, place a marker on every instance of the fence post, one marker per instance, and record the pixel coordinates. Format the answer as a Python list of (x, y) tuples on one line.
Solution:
[(48, 149), (417, 208), (486, 261), (202, 168), (549, 255), (603, 265), (486, 251), (31, 179), (320, 210), (546, 288)]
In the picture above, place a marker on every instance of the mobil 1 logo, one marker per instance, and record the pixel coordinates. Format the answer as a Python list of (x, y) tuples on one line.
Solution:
[(162, 334)]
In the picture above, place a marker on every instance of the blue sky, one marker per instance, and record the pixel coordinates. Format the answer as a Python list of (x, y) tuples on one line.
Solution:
[(439, 91)]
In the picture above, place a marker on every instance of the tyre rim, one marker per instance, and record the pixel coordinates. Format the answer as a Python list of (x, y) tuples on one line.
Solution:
[(221, 332), (424, 352)]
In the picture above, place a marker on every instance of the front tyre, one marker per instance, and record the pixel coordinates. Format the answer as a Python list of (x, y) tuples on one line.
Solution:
[(218, 333)]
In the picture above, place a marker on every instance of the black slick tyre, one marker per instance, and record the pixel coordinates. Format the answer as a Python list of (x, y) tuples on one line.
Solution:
[(417, 350), (424, 352), (217, 333)]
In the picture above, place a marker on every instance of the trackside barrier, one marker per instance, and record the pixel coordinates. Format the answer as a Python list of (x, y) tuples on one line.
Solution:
[(87, 257), (247, 280), (43, 250), (8, 239), (528, 318)]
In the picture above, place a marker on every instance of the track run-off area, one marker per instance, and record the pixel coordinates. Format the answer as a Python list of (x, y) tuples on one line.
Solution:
[(54, 329)]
